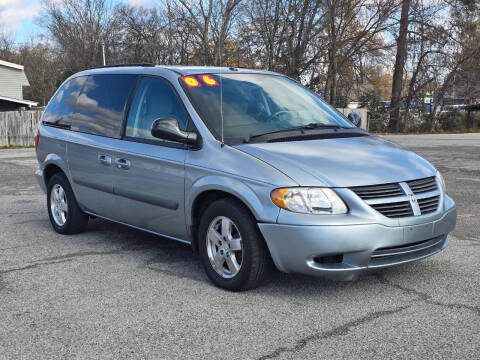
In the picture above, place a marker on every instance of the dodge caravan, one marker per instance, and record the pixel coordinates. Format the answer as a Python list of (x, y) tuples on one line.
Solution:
[(249, 167)]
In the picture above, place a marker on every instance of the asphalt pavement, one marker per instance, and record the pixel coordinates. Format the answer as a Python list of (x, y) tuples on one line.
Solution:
[(118, 293)]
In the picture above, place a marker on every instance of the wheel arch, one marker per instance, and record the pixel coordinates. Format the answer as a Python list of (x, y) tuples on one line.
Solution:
[(49, 171), (53, 164), (210, 189)]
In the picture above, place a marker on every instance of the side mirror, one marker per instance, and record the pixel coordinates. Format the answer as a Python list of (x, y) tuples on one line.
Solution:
[(168, 129), (355, 118)]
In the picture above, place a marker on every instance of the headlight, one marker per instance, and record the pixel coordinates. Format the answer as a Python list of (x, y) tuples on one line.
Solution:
[(309, 200), (442, 182)]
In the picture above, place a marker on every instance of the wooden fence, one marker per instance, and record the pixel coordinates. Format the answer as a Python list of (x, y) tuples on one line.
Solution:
[(18, 128)]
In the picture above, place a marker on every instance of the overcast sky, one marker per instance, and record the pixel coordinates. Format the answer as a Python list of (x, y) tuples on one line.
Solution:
[(19, 17)]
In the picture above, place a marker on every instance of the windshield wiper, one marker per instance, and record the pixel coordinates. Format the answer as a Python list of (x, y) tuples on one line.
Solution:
[(320, 125), (301, 127)]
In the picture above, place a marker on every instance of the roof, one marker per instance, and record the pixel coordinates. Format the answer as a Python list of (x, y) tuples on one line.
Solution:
[(194, 70), (23, 102), (11, 65), (181, 70)]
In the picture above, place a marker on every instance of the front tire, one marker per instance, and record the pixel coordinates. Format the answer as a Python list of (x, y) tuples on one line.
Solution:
[(232, 250), (65, 215)]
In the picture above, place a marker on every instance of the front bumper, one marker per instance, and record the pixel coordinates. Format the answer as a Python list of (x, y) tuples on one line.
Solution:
[(343, 252)]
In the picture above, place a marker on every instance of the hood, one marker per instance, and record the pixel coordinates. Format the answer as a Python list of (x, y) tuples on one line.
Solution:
[(342, 162)]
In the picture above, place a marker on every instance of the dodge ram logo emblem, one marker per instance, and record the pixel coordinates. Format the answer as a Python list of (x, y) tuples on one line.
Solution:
[(412, 198)]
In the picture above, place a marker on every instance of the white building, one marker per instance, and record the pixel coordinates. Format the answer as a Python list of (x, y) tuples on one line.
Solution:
[(12, 81)]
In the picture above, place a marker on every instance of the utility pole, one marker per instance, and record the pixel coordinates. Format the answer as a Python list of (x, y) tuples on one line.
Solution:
[(103, 53)]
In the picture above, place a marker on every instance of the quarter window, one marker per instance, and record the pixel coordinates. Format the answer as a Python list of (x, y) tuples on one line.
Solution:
[(153, 100), (101, 105), (62, 106)]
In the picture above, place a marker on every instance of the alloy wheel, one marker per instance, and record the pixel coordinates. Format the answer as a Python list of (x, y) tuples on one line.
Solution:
[(58, 205), (224, 247)]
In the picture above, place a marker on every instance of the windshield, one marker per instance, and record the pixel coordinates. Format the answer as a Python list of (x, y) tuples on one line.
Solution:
[(255, 104)]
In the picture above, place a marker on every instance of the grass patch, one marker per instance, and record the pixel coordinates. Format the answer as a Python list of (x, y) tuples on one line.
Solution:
[(16, 147)]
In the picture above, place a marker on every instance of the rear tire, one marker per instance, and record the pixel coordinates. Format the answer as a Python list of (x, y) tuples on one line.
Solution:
[(232, 249), (65, 215)]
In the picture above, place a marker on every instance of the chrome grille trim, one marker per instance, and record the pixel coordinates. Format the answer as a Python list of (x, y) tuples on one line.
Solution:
[(423, 185), (377, 191), (429, 204), (397, 200), (395, 209)]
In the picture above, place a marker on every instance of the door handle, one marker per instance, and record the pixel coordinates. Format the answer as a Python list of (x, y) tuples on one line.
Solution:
[(105, 160), (122, 164)]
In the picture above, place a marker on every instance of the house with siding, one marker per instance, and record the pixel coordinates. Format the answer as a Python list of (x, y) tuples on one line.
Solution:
[(12, 81)]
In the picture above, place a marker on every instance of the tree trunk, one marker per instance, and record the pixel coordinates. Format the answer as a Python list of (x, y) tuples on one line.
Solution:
[(331, 86), (332, 81), (400, 59)]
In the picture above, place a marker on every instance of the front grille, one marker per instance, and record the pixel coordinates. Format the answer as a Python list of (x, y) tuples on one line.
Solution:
[(378, 191), (395, 200), (428, 205), (422, 185), (394, 209)]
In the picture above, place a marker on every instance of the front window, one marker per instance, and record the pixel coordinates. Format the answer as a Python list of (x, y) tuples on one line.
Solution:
[(154, 99), (256, 104)]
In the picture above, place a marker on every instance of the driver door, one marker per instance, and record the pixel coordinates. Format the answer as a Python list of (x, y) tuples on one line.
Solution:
[(149, 172)]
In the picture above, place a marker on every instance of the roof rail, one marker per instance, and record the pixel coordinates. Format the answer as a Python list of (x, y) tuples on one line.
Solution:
[(120, 65)]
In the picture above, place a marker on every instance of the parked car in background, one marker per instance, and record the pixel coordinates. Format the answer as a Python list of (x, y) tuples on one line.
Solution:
[(452, 108), (248, 167)]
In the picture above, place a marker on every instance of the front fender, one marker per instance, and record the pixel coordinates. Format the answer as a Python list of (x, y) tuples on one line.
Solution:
[(255, 195)]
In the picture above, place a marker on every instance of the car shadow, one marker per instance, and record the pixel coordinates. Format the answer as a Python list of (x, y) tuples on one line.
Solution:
[(176, 259)]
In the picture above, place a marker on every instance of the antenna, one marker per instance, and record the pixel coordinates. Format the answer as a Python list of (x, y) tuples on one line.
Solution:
[(221, 103), (221, 92), (103, 53)]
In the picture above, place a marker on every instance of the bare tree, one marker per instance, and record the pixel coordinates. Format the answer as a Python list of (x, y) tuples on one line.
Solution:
[(265, 28), (353, 28), (427, 37), (7, 46), (143, 36), (464, 48), (41, 69), (335, 47), (79, 28), (210, 23), (286, 33)]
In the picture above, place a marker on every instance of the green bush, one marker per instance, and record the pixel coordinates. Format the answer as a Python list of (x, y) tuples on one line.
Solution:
[(453, 121), (377, 115)]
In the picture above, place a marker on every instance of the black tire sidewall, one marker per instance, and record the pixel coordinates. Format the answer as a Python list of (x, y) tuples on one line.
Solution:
[(252, 243), (68, 227)]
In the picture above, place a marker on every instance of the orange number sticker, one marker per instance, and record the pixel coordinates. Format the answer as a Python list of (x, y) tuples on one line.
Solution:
[(191, 81), (209, 80)]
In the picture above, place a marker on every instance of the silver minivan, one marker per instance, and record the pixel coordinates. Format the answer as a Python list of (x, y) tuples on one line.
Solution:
[(249, 167)]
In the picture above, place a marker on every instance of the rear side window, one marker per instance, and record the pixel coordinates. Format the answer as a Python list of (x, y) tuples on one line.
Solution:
[(61, 108), (101, 104)]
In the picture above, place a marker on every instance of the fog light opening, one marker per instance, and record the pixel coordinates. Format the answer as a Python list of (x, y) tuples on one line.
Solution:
[(330, 259)]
